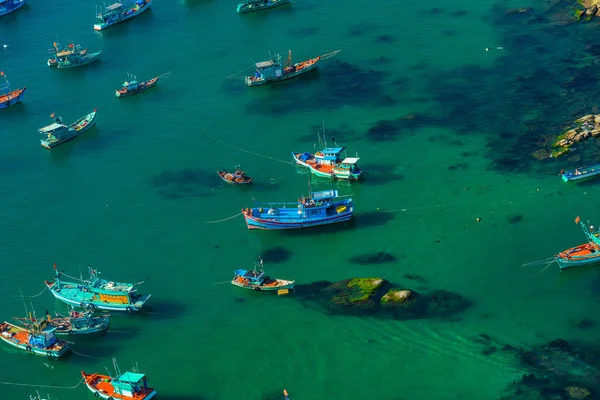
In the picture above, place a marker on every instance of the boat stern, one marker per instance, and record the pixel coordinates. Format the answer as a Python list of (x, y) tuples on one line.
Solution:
[(140, 301), (99, 27)]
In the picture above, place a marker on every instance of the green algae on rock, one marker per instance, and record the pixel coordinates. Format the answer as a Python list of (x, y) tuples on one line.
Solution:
[(581, 129)]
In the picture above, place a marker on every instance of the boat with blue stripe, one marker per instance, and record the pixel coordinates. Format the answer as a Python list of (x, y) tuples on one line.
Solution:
[(581, 174), (96, 293), (582, 255), (120, 12), (39, 339), (319, 208), (9, 97), (8, 6)]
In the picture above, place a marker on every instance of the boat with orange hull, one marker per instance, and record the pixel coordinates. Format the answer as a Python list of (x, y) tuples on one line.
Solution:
[(9, 97), (130, 385), (238, 177), (273, 70), (132, 86), (585, 254)]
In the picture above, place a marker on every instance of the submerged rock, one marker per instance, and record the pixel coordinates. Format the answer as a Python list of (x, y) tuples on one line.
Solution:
[(373, 258), (354, 293)]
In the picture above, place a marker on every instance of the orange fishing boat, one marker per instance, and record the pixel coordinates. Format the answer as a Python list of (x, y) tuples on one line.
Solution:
[(237, 177), (9, 97), (130, 385)]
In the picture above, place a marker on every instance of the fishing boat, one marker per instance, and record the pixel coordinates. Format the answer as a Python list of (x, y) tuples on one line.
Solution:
[(329, 163), (273, 70), (120, 12), (8, 6), (9, 97), (76, 323), (319, 208), (257, 280), (71, 57), (259, 5), (130, 385), (238, 177), (39, 339), (585, 254), (96, 293), (56, 133), (132, 86), (581, 174)]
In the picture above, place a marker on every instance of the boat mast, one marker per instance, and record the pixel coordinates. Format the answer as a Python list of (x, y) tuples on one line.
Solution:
[(288, 62), (117, 371)]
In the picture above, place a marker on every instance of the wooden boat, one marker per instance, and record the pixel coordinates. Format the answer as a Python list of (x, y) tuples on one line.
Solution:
[(257, 280), (57, 133), (130, 385), (319, 208), (259, 5), (71, 57), (8, 6), (9, 97), (273, 70), (328, 162), (132, 86), (79, 323), (40, 339), (585, 254), (237, 177), (120, 12), (581, 174), (96, 293)]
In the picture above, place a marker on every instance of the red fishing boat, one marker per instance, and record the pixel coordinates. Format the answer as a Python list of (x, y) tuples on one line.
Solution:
[(9, 97)]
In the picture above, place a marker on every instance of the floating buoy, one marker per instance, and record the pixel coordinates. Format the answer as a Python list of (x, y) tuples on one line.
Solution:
[(478, 219)]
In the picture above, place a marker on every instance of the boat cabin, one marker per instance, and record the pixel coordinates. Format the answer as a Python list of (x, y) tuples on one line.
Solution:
[(130, 383), (253, 277), (349, 164), (53, 129), (330, 155), (133, 85), (269, 69), (45, 338), (111, 9)]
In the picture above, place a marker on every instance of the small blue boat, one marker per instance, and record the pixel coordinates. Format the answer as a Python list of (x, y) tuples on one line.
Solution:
[(96, 293), (581, 174), (8, 97), (319, 208), (79, 323), (258, 5), (8, 6), (585, 254)]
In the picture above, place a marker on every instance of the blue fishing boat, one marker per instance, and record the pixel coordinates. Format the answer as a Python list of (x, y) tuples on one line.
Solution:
[(257, 280), (71, 57), (8, 6), (585, 254), (130, 385), (9, 97), (319, 208), (120, 12), (581, 174), (79, 323), (96, 293), (259, 5), (39, 339)]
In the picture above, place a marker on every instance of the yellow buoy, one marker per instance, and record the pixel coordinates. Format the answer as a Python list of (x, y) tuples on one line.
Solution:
[(281, 292), (340, 209)]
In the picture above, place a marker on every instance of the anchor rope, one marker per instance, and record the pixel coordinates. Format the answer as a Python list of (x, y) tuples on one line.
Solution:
[(85, 355), (223, 220), (251, 152), (40, 293), (42, 386), (545, 268), (234, 75)]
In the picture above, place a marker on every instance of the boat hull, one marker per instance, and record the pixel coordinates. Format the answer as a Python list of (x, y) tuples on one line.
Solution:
[(247, 8), (586, 174), (12, 98), (244, 181), (278, 223), (91, 383), (251, 81), (48, 352), (146, 85), (105, 25), (48, 144), (281, 284), (98, 328), (84, 300), (90, 58), (579, 256), (331, 175), (16, 6)]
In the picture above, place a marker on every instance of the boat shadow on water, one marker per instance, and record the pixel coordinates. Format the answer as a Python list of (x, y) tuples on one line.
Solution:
[(185, 183), (90, 141), (160, 309)]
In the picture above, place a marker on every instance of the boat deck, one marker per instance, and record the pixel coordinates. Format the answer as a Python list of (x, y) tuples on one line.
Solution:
[(21, 336), (103, 384)]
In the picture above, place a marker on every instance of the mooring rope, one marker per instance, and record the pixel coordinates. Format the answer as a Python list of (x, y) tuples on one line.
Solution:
[(234, 75), (85, 355), (545, 268), (252, 152), (226, 219), (42, 386), (40, 293)]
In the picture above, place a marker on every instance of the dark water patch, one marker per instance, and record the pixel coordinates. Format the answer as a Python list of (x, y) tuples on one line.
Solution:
[(276, 255), (415, 277), (469, 153), (380, 257), (383, 60), (515, 218), (433, 11), (334, 136), (387, 130), (583, 324), (160, 309), (361, 28), (459, 166), (184, 183), (385, 39), (235, 85), (182, 397), (378, 177), (371, 219), (448, 33), (459, 13), (306, 31)]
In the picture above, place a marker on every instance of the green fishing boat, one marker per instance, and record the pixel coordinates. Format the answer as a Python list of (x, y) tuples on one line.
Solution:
[(57, 133), (71, 57)]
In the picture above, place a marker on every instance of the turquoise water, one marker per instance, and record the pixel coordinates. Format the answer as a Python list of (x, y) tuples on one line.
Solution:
[(134, 197)]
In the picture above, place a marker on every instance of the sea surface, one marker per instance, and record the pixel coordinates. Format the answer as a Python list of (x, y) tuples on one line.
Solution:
[(445, 104)]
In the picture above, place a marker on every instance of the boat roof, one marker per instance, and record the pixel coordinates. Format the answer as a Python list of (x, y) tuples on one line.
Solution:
[(114, 6), (247, 273), (52, 127), (131, 377), (324, 194), (350, 160), (64, 53), (333, 150), (264, 64)]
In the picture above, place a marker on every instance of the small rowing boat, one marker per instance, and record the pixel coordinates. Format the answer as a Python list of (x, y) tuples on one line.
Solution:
[(581, 174), (585, 254), (129, 385), (259, 5), (132, 86), (9, 97), (39, 339), (238, 177), (8, 6), (257, 280)]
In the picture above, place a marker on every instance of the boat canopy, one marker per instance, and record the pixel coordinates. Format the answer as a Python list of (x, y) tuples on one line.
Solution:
[(264, 64), (333, 150), (325, 194), (350, 160), (52, 127), (114, 6), (65, 53), (131, 377)]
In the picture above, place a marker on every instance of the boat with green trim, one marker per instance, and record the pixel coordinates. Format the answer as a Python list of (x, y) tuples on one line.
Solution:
[(582, 255), (132, 86), (97, 293), (257, 280), (71, 57), (129, 385), (76, 323), (329, 162), (259, 5), (39, 339), (120, 12), (581, 174), (57, 133)]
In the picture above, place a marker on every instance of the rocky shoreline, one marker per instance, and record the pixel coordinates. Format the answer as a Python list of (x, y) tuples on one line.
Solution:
[(581, 129)]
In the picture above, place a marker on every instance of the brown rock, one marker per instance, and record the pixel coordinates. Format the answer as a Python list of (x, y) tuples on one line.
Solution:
[(592, 10), (584, 119), (597, 119), (570, 135), (595, 132)]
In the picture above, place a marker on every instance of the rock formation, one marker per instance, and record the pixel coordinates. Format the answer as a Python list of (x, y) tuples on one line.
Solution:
[(581, 129)]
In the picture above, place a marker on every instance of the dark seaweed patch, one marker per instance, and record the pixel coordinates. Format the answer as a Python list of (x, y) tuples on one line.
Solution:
[(386, 130), (373, 258), (184, 183), (460, 13), (361, 28), (448, 33), (513, 219), (459, 166), (385, 39), (307, 31), (276, 255), (584, 324)]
